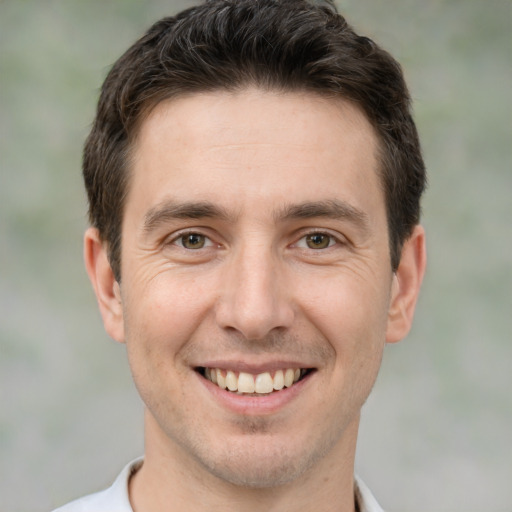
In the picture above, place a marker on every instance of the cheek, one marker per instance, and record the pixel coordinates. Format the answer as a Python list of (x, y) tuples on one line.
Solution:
[(162, 316), (160, 319), (349, 309), (171, 300)]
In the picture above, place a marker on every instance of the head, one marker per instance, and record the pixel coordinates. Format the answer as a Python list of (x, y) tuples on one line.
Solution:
[(254, 178), (229, 45)]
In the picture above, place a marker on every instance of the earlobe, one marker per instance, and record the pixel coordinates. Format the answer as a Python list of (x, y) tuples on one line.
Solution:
[(406, 286), (105, 286)]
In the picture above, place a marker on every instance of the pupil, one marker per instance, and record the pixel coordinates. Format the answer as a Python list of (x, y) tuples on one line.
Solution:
[(194, 241), (318, 241)]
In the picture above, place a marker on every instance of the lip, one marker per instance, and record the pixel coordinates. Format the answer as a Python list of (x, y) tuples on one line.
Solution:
[(255, 405), (254, 368)]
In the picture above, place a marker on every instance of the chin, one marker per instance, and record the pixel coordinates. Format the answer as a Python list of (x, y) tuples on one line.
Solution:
[(261, 474), (262, 465)]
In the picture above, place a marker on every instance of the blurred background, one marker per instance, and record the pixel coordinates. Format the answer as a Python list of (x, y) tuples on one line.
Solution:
[(436, 433)]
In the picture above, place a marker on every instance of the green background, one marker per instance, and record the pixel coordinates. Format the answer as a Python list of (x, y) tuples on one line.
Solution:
[(436, 433)]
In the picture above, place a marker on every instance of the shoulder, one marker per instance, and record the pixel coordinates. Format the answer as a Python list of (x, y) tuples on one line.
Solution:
[(113, 499)]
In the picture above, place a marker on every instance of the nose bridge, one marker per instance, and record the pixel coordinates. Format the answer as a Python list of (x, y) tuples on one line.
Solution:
[(253, 297)]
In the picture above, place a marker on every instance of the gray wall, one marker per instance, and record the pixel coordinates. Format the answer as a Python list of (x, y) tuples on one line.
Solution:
[(435, 434)]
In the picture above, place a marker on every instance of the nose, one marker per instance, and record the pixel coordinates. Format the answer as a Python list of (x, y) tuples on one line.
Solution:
[(254, 299)]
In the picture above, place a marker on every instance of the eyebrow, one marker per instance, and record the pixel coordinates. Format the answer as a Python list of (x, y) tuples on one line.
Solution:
[(170, 210), (331, 209)]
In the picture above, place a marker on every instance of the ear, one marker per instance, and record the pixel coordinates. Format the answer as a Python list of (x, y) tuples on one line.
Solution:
[(106, 288), (406, 286)]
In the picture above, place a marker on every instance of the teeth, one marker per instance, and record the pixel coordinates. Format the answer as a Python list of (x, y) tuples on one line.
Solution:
[(288, 377), (221, 380), (262, 383), (246, 383), (279, 380), (231, 381)]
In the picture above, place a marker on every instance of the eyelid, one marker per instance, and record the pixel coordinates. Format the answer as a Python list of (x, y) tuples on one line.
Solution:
[(176, 236), (338, 239)]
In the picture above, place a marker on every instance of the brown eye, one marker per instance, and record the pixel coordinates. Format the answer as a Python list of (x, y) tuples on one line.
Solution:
[(193, 241), (318, 241)]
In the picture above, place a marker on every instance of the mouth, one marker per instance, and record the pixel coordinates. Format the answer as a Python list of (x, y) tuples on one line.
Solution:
[(262, 384)]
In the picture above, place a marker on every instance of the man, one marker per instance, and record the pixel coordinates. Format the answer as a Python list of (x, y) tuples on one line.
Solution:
[(254, 179)]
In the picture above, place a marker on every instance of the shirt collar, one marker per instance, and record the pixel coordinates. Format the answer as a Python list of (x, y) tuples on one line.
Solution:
[(365, 500)]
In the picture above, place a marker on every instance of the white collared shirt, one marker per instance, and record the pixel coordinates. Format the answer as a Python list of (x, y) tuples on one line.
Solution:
[(115, 498)]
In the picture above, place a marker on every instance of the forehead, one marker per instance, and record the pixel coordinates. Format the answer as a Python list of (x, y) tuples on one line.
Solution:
[(254, 145), (254, 112)]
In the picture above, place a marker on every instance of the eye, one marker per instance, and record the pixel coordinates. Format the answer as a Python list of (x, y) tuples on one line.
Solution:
[(193, 241), (317, 241)]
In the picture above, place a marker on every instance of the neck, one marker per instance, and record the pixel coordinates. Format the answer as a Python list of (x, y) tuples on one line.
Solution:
[(171, 479)]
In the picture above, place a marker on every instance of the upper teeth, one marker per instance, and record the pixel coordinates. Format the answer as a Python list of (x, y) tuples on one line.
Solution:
[(248, 383)]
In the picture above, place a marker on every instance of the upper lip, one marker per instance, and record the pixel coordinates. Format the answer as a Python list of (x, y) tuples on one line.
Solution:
[(252, 367)]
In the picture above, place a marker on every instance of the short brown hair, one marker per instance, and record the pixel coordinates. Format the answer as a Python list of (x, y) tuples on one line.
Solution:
[(284, 45)]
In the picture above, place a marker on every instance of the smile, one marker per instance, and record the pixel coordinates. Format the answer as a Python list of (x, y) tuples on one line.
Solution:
[(260, 384)]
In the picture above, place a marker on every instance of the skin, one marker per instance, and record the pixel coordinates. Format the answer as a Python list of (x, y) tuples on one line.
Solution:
[(254, 292)]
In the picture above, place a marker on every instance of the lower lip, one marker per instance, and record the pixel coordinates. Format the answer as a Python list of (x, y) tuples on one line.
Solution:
[(256, 405)]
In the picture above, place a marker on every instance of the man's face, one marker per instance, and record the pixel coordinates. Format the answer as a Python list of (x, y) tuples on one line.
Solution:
[(255, 242)]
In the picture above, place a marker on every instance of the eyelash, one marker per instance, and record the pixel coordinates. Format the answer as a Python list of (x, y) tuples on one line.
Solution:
[(300, 243), (181, 236), (333, 240)]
